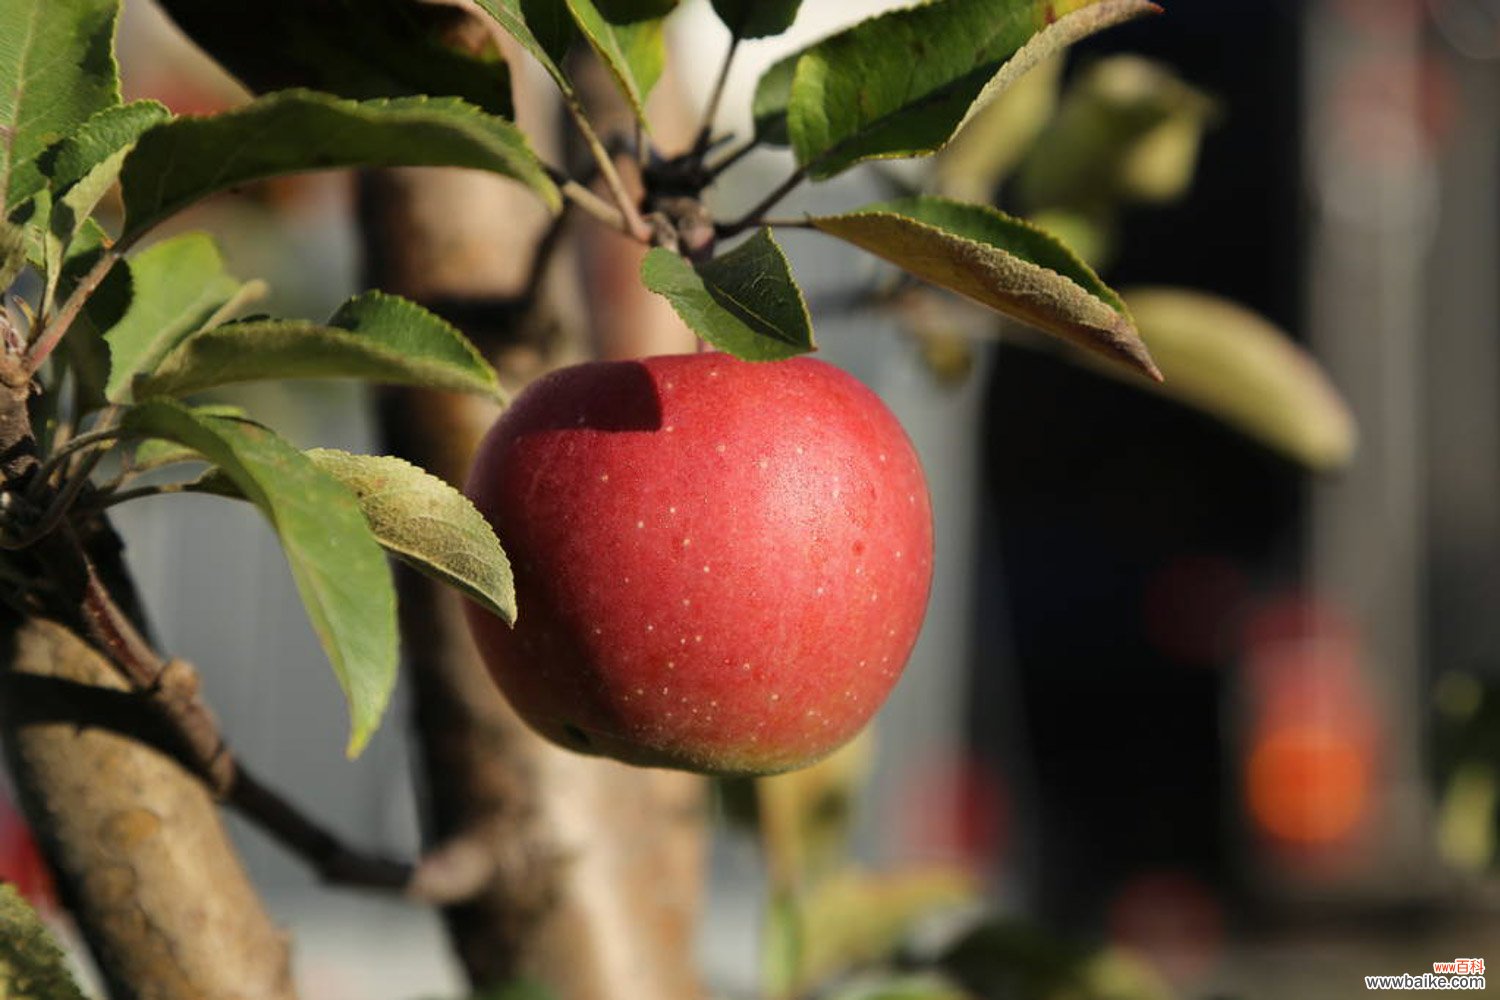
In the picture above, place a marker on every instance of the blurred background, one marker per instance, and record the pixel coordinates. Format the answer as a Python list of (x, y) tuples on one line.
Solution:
[(1176, 694)]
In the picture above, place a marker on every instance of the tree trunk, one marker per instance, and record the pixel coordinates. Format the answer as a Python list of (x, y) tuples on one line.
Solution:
[(134, 840), (597, 889)]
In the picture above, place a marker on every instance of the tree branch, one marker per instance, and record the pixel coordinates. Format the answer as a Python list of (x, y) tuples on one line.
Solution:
[(53, 330), (756, 214), (171, 689)]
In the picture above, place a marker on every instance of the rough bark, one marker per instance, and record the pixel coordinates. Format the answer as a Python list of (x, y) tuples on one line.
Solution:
[(597, 867), (133, 839), (143, 861)]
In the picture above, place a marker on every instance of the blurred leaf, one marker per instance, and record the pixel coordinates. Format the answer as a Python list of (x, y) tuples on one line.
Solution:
[(1005, 957), (855, 918), (806, 816), (998, 261), (1118, 974), (543, 27), (1467, 812), (901, 84), (32, 966), (999, 134), (756, 18), (427, 524), (359, 49), (634, 49), (175, 287), (1090, 237), (178, 162), (1008, 957), (910, 987), (57, 67), (781, 949), (374, 336), (339, 569), (1127, 130), (768, 107), (1222, 358), (744, 302)]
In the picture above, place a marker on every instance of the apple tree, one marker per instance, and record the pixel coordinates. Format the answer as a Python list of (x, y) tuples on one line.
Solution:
[(549, 865)]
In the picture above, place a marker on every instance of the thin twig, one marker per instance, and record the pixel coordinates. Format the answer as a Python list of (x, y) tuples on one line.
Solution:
[(72, 446), (756, 214), (52, 331), (592, 204), (108, 498), (711, 111), (171, 688), (724, 163), (630, 221)]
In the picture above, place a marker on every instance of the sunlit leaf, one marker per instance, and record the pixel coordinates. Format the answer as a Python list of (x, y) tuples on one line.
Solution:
[(903, 83), (373, 336), (339, 568), (427, 524), (176, 163), (175, 287), (57, 67), (32, 966), (744, 302), (1001, 262), (635, 50)]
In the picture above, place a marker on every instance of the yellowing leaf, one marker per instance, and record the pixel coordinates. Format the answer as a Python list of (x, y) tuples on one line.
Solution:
[(1230, 362)]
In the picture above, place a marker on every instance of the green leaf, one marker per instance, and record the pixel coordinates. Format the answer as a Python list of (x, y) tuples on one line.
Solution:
[(427, 524), (635, 51), (83, 166), (768, 107), (543, 27), (57, 67), (1219, 357), (156, 453), (903, 83), (176, 286), (32, 966), (340, 571), (1001, 262), (359, 49), (1128, 130), (756, 18), (374, 336), (744, 302), (99, 139), (12, 253), (183, 160)]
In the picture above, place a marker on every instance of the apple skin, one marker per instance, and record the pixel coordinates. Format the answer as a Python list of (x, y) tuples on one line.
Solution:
[(721, 566)]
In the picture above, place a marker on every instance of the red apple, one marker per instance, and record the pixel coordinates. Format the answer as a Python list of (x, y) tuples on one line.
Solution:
[(720, 565)]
